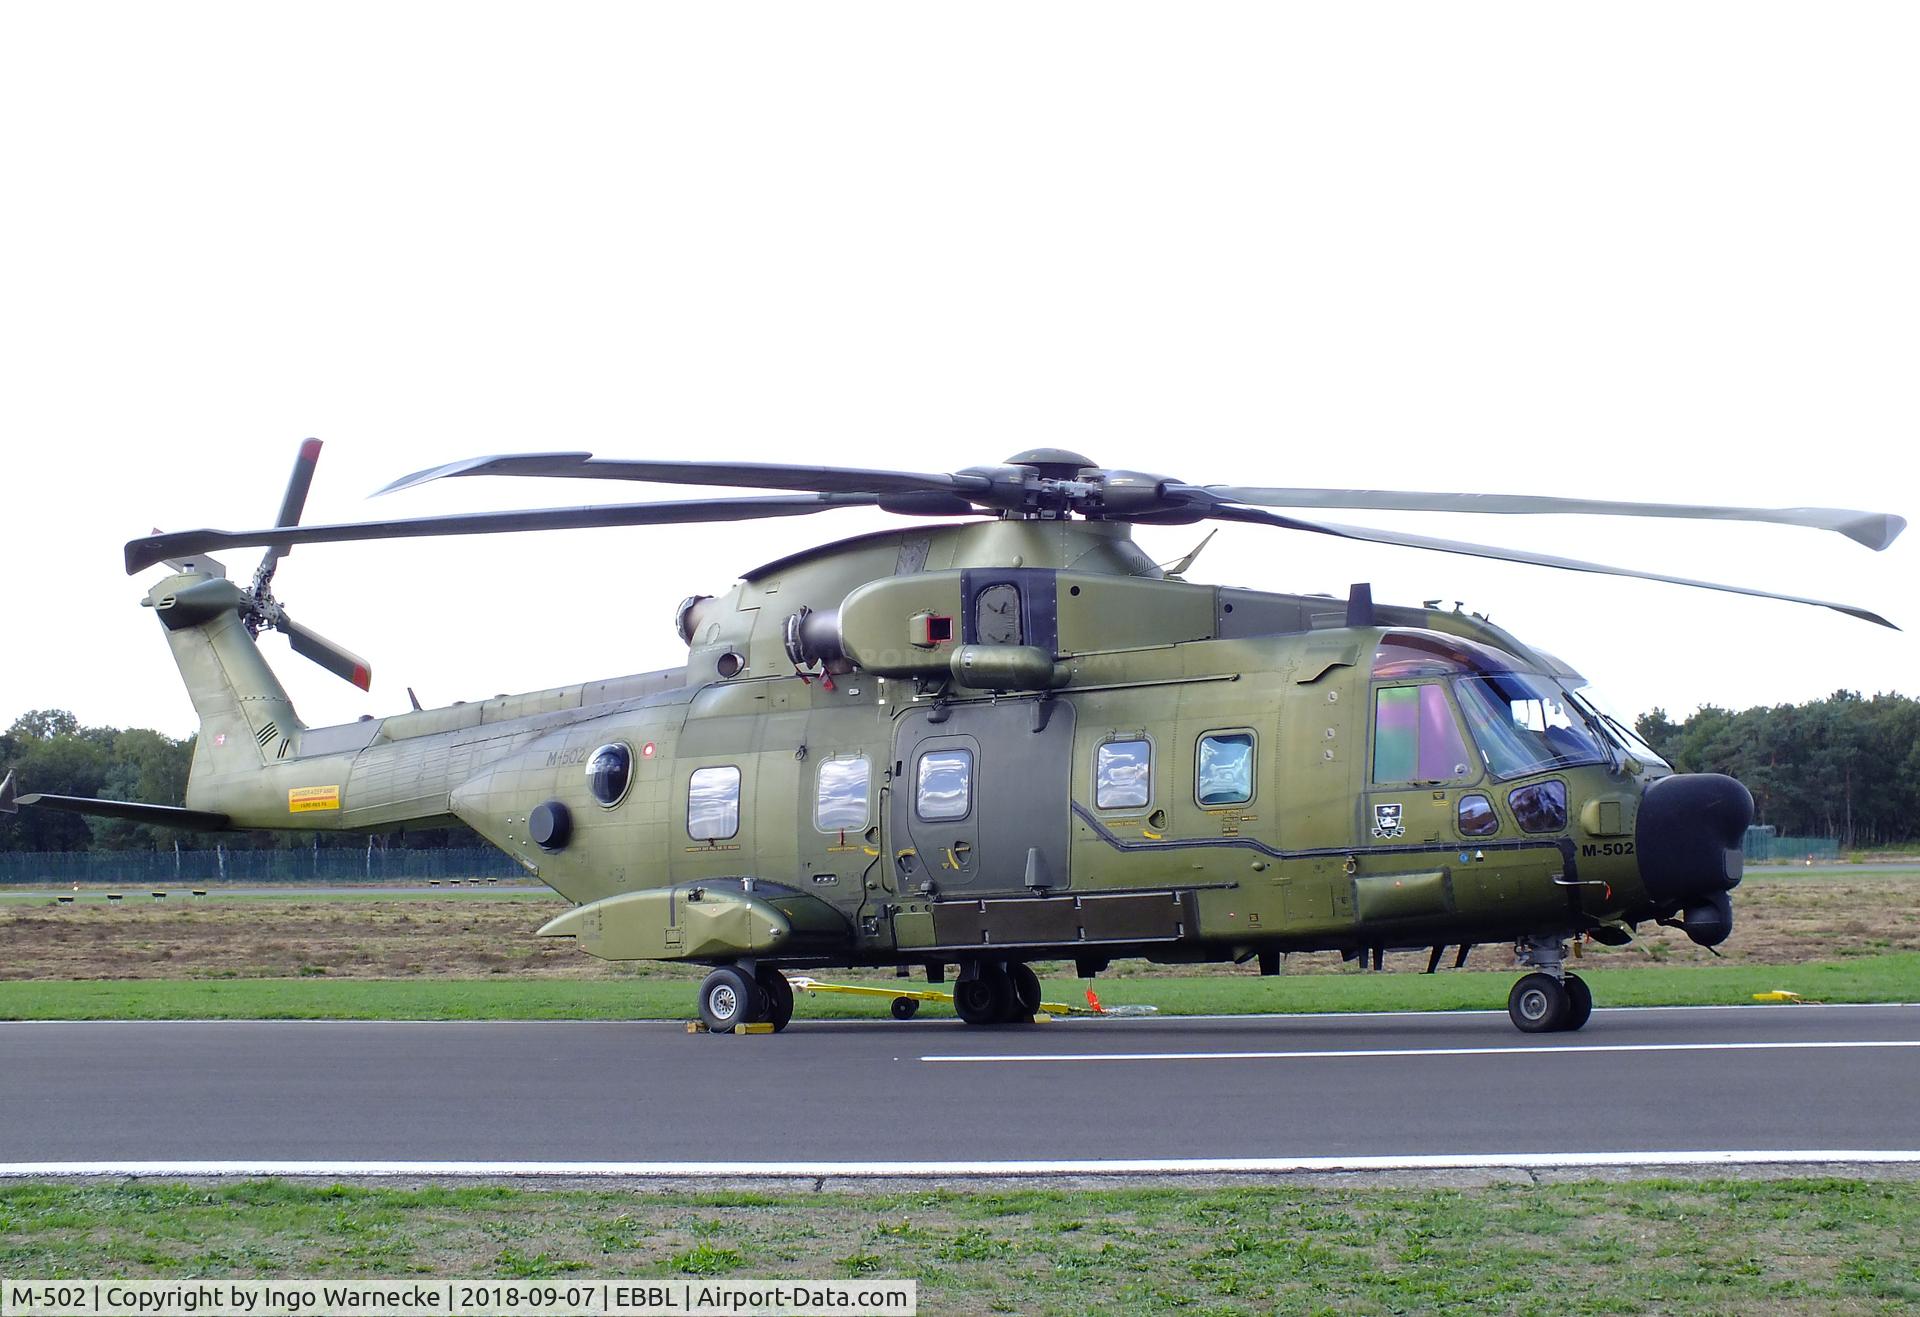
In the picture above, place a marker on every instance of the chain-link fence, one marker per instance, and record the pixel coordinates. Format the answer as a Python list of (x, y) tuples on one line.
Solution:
[(324, 865), (1763, 843)]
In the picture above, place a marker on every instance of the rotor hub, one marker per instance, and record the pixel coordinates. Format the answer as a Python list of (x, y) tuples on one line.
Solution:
[(1053, 463)]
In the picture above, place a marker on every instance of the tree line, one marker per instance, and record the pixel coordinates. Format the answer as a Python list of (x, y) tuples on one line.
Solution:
[(1844, 767), (50, 751)]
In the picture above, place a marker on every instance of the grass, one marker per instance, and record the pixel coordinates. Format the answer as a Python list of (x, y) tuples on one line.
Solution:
[(1894, 976), (1813, 1245), (472, 955), (1790, 919)]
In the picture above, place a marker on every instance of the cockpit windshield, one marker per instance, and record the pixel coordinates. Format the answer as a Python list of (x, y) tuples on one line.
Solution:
[(1525, 723), (1619, 730)]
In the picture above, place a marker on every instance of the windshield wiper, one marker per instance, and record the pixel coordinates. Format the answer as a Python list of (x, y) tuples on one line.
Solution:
[(1597, 724)]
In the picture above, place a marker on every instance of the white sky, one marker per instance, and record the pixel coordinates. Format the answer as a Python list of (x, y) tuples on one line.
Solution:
[(1660, 252)]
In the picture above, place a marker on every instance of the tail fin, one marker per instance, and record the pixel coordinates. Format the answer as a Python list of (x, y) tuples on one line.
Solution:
[(246, 719)]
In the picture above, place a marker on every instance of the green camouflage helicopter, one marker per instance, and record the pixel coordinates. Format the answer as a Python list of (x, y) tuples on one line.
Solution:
[(1004, 738)]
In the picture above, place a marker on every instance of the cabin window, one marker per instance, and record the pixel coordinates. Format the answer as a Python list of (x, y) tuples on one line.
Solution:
[(1123, 775), (1415, 738), (713, 803), (609, 772), (840, 799), (1541, 807), (1223, 769), (943, 789), (1477, 818)]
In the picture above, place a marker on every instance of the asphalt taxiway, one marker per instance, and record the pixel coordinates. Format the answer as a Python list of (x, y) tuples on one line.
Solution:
[(1784, 1082)]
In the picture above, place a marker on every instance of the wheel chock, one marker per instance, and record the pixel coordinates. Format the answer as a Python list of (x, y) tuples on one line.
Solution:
[(758, 1026), (696, 1026)]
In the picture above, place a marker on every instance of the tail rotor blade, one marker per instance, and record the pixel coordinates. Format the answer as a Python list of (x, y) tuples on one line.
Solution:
[(294, 501), (299, 484), (290, 505), (310, 644)]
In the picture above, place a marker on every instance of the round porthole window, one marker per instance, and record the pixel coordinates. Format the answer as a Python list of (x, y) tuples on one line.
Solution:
[(609, 772)]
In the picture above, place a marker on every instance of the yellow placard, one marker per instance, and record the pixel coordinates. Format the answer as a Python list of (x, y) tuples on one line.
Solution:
[(304, 800)]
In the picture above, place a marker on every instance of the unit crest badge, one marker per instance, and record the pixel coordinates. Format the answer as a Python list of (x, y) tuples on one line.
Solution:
[(1386, 821)]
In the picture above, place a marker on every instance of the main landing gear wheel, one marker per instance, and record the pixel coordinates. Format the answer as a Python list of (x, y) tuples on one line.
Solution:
[(905, 1008), (777, 994), (727, 998), (1026, 993), (1579, 1002), (984, 998), (1538, 1004)]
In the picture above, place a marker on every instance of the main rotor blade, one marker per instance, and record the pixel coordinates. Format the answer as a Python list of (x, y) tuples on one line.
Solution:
[(1226, 512), (1876, 530), (341, 662), (144, 553), (738, 475), (164, 816)]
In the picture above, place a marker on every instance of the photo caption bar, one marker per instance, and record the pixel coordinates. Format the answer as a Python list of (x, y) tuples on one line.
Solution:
[(637, 1297)]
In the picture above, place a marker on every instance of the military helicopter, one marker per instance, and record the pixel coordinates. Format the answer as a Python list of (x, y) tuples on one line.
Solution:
[(1001, 735)]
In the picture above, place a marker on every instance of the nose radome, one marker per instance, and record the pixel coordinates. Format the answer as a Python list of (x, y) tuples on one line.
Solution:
[(1691, 836)]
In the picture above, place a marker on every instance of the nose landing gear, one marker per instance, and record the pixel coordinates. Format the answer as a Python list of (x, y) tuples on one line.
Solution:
[(1549, 1000)]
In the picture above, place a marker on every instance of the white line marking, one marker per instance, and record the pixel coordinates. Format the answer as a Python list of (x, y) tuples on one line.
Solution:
[(1754, 1008), (1581, 1049), (877, 1169)]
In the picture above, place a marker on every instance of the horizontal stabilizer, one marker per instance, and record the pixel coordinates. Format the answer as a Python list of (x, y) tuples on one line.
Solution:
[(164, 816)]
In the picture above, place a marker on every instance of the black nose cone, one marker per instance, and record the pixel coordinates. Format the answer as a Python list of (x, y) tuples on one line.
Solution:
[(1691, 837)]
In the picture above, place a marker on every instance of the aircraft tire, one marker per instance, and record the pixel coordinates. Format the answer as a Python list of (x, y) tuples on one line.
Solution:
[(729, 997), (777, 994), (983, 998), (1579, 1002), (905, 1008), (1537, 1004), (1026, 992)]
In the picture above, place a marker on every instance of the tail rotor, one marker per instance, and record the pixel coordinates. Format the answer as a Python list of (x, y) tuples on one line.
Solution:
[(261, 610)]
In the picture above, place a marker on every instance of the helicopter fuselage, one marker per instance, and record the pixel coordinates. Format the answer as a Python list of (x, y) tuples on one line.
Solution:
[(961, 762), (1003, 737)]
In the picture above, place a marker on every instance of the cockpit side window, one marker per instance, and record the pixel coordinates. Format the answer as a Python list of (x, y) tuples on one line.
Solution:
[(1415, 738)]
